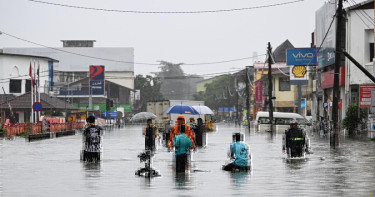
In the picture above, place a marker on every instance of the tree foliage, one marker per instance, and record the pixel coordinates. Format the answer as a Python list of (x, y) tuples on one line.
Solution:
[(175, 84), (352, 120), (219, 93), (150, 90)]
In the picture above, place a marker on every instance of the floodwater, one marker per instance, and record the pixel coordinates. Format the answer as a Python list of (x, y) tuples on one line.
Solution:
[(52, 168)]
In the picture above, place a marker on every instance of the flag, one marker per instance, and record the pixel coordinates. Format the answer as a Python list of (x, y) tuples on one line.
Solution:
[(31, 75)]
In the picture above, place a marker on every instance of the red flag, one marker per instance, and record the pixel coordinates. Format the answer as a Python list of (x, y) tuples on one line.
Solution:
[(31, 75)]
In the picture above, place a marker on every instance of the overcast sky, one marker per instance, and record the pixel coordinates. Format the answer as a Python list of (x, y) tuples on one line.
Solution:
[(186, 38)]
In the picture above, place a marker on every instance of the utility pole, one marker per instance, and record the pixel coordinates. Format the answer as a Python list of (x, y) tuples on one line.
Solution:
[(334, 137), (269, 51), (247, 98)]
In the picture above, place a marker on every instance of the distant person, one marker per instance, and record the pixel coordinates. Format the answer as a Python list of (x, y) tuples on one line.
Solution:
[(150, 133), (92, 141), (295, 141), (239, 153), (167, 132), (178, 128), (182, 144), (322, 127), (191, 122), (199, 131)]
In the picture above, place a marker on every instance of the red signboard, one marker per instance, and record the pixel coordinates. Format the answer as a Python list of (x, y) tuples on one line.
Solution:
[(365, 95), (327, 78), (258, 92)]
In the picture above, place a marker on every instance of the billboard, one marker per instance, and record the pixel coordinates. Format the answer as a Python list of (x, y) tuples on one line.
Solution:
[(298, 73), (325, 39), (303, 56), (97, 80), (326, 78), (365, 95)]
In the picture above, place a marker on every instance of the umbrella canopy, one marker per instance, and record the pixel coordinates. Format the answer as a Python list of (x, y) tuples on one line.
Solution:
[(202, 109), (142, 116), (181, 109)]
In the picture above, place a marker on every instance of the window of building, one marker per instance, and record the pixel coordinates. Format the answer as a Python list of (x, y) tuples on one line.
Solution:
[(28, 86), (284, 84), (15, 86)]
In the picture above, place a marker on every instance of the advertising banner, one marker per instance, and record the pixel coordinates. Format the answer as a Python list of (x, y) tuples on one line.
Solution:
[(298, 73), (304, 56), (365, 95), (97, 80), (327, 41), (258, 92)]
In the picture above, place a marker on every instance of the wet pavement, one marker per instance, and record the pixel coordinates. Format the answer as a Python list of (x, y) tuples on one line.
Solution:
[(52, 168)]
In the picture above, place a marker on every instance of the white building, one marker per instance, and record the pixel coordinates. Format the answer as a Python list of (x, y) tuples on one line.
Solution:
[(77, 55), (360, 45), (14, 75)]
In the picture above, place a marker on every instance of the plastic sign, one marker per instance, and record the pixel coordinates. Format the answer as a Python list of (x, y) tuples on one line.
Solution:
[(298, 73), (303, 56), (37, 106)]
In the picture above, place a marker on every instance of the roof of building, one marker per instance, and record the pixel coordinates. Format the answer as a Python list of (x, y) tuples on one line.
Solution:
[(24, 102), (279, 54), (23, 55), (369, 4)]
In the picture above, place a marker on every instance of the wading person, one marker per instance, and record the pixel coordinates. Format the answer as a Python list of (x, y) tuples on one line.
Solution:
[(199, 131), (91, 141), (178, 128), (150, 133), (239, 153), (182, 144), (295, 141)]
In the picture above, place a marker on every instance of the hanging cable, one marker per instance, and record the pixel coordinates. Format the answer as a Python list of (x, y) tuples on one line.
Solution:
[(167, 12)]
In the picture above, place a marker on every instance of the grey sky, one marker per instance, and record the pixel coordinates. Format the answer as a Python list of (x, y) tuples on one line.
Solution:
[(187, 38)]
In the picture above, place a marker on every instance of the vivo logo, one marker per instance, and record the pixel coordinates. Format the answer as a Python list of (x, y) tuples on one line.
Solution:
[(303, 55)]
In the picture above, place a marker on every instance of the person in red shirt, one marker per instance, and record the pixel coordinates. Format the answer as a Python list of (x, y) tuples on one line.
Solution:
[(176, 130)]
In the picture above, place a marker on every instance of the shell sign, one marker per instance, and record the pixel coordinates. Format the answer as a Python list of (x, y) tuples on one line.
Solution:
[(298, 73)]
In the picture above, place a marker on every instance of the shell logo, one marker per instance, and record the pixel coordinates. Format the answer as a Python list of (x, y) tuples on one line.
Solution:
[(299, 71)]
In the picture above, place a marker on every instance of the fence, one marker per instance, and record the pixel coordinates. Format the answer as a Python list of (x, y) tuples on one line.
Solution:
[(34, 128)]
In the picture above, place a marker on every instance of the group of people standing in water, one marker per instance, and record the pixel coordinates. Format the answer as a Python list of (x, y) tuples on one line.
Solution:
[(185, 137)]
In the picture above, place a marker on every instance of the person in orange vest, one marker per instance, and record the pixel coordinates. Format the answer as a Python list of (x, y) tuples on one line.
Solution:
[(179, 128)]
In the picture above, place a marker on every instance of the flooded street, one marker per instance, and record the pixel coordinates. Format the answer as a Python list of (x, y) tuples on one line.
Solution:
[(52, 168)]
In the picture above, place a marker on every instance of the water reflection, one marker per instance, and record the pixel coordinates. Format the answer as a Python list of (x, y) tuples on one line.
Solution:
[(295, 163), (182, 180), (239, 179), (92, 169)]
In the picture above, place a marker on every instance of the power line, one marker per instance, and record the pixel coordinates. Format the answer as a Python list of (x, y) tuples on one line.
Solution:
[(167, 12), (368, 17), (119, 61)]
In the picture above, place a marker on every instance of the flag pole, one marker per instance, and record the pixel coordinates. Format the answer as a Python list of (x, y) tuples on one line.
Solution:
[(38, 86), (31, 92), (35, 115)]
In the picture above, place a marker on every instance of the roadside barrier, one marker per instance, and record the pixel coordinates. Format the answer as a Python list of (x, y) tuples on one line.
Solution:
[(36, 128)]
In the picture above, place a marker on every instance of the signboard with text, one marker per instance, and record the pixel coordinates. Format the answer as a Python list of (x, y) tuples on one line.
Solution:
[(365, 95), (303, 56), (97, 80), (258, 92)]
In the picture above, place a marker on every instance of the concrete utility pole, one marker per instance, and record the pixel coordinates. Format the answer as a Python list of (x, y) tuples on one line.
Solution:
[(269, 51), (335, 133), (248, 98)]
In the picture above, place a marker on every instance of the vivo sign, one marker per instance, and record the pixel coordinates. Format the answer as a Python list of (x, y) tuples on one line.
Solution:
[(305, 57)]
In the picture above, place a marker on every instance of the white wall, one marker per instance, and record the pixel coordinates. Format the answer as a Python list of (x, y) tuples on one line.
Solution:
[(8, 65), (125, 79), (70, 62), (359, 34)]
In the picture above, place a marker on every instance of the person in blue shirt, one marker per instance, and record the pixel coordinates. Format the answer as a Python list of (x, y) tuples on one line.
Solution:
[(239, 152), (182, 144)]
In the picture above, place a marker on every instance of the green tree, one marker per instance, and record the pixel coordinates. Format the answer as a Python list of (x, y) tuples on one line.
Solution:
[(150, 90), (352, 120), (219, 93), (175, 84)]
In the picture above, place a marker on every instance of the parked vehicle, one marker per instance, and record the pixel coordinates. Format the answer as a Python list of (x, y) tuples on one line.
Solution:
[(281, 121)]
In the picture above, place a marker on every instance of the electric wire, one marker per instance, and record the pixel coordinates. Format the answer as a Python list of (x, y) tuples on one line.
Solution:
[(127, 62), (166, 12)]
